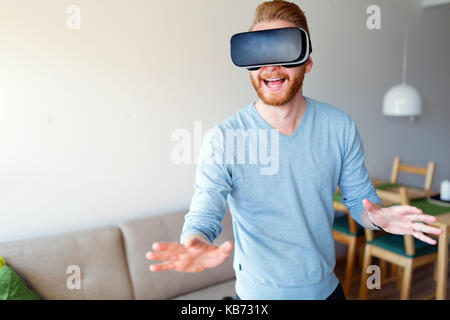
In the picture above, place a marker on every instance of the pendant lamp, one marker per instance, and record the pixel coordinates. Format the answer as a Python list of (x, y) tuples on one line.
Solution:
[(403, 100)]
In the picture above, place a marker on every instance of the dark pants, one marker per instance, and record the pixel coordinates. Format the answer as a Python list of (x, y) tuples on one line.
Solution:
[(338, 294)]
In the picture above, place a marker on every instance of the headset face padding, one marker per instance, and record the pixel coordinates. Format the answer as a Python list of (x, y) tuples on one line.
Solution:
[(288, 47)]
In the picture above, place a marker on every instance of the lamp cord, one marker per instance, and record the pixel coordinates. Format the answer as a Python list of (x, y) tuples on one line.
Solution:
[(405, 53)]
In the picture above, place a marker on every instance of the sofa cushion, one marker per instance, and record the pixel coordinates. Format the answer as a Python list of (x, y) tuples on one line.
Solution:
[(99, 254), (214, 292), (140, 234)]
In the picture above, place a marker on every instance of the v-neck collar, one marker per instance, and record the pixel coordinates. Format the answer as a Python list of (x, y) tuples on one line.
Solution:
[(309, 105)]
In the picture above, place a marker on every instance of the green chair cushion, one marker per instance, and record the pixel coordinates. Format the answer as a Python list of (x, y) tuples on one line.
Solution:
[(387, 186), (337, 197), (341, 224), (395, 243)]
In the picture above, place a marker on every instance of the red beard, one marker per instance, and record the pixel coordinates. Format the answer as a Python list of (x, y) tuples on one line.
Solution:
[(285, 95)]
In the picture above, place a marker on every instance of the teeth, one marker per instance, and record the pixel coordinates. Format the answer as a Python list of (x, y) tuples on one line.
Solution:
[(274, 79)]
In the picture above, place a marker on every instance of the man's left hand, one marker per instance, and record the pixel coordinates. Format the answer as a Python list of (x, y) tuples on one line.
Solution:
[(403, 220)]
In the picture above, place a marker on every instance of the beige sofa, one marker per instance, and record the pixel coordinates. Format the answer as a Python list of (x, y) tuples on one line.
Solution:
[(113, 264)]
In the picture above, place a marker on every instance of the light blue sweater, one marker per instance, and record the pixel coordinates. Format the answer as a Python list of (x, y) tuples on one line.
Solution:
[(281, 204)]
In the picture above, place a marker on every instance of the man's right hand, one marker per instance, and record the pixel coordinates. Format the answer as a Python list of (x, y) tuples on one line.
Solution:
[(194, 255)]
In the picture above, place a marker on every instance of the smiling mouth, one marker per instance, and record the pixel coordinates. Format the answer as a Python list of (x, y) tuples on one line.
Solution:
[(275, 83)]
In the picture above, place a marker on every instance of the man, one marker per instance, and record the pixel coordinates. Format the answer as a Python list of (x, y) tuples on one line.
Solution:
[(282, 222)]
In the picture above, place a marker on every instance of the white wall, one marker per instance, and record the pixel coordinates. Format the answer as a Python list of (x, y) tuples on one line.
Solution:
[(86, 116)]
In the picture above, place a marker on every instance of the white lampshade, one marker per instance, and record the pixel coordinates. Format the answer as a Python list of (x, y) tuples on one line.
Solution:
[(402, 101)]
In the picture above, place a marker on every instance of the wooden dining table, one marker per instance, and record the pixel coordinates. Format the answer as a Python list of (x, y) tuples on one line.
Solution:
[(389, 194)]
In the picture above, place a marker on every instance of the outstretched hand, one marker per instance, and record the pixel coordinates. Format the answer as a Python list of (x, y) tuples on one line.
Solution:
[(402, 220), (194, 256)]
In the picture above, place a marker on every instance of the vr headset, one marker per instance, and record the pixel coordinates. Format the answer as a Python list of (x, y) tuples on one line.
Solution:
[(288, 47)]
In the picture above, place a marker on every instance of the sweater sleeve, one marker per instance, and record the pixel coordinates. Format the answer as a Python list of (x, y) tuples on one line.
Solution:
[(212, 185), (354, 183)]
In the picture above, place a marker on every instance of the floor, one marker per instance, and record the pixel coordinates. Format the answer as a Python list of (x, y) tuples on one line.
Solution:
[(422, 284)]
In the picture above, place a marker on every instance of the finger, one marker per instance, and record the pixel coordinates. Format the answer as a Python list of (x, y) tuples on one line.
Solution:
[(421, 217), (407, 210), (160, 246), (159, 255), (226, 247), (426, 229), (162, 266), (421, 236), (368, 205)]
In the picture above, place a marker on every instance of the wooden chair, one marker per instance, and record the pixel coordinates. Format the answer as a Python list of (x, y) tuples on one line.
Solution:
[(404, 252), (413, 192), (428, 172), (347, 231)]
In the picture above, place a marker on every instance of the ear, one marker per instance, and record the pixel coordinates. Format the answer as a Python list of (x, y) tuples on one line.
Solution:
[(309, 64)]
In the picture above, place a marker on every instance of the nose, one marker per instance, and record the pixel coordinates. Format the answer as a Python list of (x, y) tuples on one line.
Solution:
[(270, 68)]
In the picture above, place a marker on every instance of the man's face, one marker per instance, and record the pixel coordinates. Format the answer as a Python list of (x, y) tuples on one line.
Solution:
[(277, 85)]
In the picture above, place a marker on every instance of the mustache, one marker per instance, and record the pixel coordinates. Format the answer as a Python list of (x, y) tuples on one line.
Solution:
[(273, 76)]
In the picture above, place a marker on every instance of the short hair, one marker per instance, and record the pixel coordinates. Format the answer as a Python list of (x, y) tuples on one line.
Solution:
[(281, 10)]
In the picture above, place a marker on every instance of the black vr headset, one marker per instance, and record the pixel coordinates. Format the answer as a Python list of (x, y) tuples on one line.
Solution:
[(288, 47)]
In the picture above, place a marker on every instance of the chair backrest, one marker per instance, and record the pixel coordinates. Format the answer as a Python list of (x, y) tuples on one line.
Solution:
[(428, 172)]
